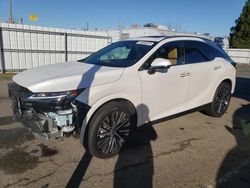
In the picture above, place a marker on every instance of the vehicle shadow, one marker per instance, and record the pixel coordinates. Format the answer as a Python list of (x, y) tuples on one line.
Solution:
[(135, 165), (242, 88), (80, 171), (235, 168)]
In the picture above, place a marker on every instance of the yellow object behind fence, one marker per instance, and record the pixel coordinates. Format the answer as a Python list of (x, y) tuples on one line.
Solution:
[(33, 17)]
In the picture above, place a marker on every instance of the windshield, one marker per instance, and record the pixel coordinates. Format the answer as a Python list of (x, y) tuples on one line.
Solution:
[(120, 54)]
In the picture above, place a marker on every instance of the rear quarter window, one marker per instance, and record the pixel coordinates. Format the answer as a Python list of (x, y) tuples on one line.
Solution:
[(219, 52)]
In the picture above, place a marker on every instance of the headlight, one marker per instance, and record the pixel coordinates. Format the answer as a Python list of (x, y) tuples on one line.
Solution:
[(56, 95)]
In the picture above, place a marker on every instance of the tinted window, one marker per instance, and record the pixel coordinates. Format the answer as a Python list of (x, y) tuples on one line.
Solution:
[(172, 51), (218, 52), (197, 52), (120, 54)]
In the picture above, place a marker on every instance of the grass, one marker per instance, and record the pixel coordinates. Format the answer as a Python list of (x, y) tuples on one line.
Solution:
[(6, 76)]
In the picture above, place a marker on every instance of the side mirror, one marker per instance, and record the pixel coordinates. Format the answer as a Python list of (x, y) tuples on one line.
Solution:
[(160, 65)]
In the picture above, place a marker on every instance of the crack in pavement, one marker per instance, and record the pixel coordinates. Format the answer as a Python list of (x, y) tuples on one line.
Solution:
[(18, 181), (181, 146), (38, 179), (42, 177), (29, 182)]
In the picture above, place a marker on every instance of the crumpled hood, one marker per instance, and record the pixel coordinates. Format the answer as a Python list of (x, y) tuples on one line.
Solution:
[(66, 76)]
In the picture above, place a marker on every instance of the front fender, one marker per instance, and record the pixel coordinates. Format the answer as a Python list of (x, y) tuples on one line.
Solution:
[(95, 106)]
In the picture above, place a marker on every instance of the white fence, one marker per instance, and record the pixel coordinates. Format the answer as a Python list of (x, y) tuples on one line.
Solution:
[(239, 55), (24, 46)]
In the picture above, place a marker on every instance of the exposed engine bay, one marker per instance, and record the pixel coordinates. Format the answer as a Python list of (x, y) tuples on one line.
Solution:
[(53, 114)]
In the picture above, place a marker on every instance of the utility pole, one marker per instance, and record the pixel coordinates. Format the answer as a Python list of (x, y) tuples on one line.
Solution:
[(10, 16), (120, 29), (87, 25)]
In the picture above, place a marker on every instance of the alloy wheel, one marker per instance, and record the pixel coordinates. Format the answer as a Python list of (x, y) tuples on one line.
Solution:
[(113, 132), (222, 100)]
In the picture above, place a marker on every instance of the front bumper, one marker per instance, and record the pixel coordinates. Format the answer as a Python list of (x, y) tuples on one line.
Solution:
[(47, 118)]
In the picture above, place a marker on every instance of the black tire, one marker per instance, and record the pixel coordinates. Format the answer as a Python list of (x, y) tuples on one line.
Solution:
[(220, 101), (108, 130)]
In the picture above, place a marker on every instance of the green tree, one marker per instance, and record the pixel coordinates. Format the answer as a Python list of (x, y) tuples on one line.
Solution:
[(240, 34)]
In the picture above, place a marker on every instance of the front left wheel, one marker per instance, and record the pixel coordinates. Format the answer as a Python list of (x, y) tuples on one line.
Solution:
[(109, 128)]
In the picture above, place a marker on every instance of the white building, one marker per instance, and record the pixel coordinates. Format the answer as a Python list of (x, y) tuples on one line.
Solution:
[(149, 30)]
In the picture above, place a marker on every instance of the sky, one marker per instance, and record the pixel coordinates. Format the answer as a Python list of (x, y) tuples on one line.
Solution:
[(205, 16)]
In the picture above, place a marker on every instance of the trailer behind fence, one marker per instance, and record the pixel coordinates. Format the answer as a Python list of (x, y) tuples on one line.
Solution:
[(23, 46)]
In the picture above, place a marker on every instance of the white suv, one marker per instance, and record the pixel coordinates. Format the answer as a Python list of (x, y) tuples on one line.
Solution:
[(123, 85)]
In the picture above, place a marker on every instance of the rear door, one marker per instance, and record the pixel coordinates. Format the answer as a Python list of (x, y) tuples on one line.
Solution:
[(205, 71)]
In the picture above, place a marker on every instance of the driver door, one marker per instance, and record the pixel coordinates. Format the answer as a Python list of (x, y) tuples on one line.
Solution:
[(165, 93)]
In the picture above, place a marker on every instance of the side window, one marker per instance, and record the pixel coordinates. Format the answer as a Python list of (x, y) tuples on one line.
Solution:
[(172, 51), (197, 52)]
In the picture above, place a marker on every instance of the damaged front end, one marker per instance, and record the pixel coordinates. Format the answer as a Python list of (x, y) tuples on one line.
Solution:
[(48, 114)]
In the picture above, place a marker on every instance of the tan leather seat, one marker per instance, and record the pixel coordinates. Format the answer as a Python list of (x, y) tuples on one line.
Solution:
[(173, 55)]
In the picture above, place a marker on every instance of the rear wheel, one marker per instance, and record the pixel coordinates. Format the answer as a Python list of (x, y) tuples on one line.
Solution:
[(109, 128), (220, 101)]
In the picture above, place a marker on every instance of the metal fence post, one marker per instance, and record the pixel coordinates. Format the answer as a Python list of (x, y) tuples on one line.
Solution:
[(2, 63), (65, 47)]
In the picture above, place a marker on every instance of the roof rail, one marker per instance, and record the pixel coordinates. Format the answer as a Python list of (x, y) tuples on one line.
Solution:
[(176, 36)]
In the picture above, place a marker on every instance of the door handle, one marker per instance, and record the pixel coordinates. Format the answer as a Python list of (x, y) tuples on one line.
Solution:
[(184, 74), (217, 67)]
